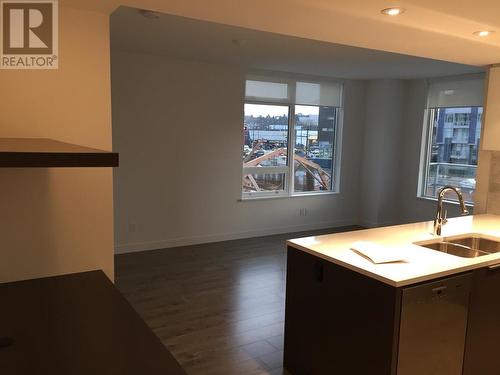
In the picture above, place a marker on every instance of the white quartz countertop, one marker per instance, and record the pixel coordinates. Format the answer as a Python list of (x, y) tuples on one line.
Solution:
[(421, 264)]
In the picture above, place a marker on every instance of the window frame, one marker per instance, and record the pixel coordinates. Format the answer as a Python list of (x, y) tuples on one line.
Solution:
[(426, 153), (289, 190), (271, 170)]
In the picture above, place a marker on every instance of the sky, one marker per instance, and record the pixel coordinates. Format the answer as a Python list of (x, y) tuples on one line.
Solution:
[(277, 110)]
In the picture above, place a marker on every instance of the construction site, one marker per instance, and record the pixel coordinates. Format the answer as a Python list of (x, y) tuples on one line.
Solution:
[(312, 167), (266, 153)]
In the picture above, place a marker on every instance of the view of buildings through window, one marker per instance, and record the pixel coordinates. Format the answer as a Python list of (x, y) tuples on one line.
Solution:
[(314, 137), (265, 154), (268, 132), (453, 151)]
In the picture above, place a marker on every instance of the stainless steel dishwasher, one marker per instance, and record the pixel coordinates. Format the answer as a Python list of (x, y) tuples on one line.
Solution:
[(433, 327)]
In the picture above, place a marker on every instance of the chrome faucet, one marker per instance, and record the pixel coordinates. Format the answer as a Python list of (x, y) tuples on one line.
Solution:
[(441, 218)]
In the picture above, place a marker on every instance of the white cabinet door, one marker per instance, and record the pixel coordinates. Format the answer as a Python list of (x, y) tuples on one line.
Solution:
[(491, 133)]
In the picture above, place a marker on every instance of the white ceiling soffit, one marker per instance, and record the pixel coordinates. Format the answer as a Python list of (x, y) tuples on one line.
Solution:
[(188, 39), (435, 29)]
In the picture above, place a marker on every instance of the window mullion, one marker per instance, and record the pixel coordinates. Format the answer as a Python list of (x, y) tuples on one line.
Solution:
[(337, 150), (291, 148), (430, 130)]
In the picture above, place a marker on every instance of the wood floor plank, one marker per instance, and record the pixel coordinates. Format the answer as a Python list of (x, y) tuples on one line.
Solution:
[(218, 307)]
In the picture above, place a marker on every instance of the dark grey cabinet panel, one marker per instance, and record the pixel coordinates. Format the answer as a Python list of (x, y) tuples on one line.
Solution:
[(306, 314), (483, 336), (337, 321)]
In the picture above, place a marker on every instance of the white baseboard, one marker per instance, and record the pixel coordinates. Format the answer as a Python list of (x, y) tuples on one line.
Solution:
[(196, 240)]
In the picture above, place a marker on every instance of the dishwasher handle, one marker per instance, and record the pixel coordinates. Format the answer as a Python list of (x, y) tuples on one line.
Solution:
[(494, 267)]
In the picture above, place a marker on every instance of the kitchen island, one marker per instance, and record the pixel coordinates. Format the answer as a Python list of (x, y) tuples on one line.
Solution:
[(431, 313)]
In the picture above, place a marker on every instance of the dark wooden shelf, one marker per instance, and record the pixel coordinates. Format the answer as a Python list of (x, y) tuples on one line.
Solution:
[(49, 153)]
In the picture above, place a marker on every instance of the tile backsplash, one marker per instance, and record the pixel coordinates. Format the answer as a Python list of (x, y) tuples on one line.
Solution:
[(494, 188)]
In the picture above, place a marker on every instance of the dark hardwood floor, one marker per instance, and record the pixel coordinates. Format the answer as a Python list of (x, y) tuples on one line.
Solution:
[(219, 307)]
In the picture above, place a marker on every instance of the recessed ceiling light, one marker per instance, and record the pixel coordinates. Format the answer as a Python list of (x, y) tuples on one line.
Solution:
[(483, 33), (393, 11), (152, 15)]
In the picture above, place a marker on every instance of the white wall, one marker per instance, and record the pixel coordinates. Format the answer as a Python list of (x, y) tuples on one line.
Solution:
[(59, 220), (391, 155), (177, 126), (382, 136)]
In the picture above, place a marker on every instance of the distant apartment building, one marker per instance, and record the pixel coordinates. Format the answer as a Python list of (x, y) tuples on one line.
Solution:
[(457, 134)]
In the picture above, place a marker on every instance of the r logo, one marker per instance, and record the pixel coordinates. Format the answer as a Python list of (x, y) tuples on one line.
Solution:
[(29, 29)]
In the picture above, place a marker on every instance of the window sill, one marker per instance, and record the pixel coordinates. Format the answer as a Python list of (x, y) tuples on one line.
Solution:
[(283, 196), (435, 200)]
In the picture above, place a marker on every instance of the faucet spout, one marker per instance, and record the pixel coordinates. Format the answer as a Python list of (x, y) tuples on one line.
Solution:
[(441, 219)]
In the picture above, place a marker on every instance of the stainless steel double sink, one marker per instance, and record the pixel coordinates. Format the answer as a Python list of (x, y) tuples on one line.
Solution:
[(465, 246)]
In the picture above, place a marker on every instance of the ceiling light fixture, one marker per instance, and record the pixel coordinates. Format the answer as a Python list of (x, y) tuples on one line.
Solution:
[(483, 33), (393, 11), (150, 14)]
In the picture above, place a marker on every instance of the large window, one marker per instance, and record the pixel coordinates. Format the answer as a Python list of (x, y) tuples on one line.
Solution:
[(280, 114), (452, 135)]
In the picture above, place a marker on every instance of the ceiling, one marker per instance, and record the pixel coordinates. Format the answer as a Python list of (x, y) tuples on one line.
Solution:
[(189, 39), (438, 29)]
